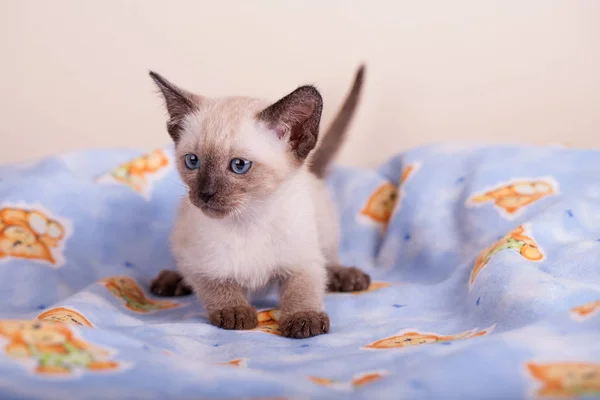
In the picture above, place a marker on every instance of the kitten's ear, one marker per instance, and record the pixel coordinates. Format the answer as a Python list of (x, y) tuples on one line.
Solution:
[(296, 118), (179, 103)]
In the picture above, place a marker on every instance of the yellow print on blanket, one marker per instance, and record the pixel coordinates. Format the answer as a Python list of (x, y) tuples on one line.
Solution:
[(512, 197), (412, 337), (518, 240), (127, 290), (238, 362), (268, 321), (382, 203), (585, 311), (66, 315), (566, 379), (359, 380), (31, 234), (140, 173), (373, 287), (53, 348)]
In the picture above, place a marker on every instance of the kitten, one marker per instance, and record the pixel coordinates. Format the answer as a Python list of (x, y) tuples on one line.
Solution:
[(257, 211)]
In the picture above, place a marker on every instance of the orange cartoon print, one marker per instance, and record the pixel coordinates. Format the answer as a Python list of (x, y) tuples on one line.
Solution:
[(53, 348), (368, 378), (127, 289), (359, 380), (412, 337), (566, 379), (238, 362), (374, 286), (139, 173), (519, 240), (585, 311), (510, 198), (32, 235), (268, 321), (66, 315), (321, 381), (382, 203), (407, 172)]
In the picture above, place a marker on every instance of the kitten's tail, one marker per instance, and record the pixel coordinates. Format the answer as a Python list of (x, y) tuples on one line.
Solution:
[(334, 136)]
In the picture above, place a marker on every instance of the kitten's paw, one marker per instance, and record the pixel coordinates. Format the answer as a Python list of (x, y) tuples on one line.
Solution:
[(240, 317), (304, 324), (169, 283), (347, 279)]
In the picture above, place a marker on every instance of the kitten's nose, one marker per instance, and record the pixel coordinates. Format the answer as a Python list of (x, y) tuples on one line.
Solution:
[(205, 196)]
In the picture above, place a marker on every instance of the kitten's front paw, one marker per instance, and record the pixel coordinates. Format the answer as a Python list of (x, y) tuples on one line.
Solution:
[(304, 324), (240, 317), (169, 283), (347, 279)]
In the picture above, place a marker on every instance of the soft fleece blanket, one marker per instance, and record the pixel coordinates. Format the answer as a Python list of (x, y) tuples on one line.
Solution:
[(485, 267)]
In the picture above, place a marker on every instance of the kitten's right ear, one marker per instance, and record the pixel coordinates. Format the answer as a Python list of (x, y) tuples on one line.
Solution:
[(179, 103)]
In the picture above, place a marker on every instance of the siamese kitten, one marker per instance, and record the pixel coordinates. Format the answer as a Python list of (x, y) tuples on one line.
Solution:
[(257, 211)]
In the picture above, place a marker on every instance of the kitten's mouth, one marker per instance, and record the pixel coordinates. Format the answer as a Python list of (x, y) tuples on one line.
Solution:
[(213, 211)]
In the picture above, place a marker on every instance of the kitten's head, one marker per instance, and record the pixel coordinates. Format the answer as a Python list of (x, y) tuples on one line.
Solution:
[(236, 150)]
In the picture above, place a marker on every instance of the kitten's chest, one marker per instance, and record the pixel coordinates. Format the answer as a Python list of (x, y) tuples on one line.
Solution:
[(254, 252), (261, 243), (248, 246)]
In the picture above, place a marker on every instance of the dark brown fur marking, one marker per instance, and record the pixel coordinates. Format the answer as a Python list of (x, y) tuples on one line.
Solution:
[(297, 114), (334, 136), (169, 283), (230, 190), (179, 103), (304, 324), (238, 317), (339, 279), (346, 279)]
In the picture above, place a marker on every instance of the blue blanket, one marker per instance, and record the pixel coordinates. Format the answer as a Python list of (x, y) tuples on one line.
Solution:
[(486, 284)]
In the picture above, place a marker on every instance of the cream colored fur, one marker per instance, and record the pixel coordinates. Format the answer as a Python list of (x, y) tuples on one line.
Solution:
[(293, 229)]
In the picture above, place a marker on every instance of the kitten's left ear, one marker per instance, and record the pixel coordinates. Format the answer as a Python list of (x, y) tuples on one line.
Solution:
[(179, 103), (296, 118)]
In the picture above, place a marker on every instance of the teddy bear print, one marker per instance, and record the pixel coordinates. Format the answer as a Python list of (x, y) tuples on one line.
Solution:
[(31, 235)]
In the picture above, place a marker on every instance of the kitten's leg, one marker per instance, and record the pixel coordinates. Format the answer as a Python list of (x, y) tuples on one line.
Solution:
[(346, 279), (170, 283), (301, 307), (226, 304), (339, 278)]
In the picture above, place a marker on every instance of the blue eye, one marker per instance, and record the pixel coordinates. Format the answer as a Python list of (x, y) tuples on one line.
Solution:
[(240, 166), (192, 161)]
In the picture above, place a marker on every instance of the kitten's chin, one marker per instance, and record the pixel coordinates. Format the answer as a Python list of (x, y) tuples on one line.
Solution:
[(215, 213), (211, 211)]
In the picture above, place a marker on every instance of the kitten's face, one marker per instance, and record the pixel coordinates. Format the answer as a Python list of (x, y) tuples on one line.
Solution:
[(234, 152), (228, 158)]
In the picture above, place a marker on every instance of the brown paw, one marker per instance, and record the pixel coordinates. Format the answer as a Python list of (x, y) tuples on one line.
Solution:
[(240, 317), (169, 283), (347, 279), (304, 324)]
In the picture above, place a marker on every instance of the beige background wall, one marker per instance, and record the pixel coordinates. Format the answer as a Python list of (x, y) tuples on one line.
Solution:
[(73, 73)]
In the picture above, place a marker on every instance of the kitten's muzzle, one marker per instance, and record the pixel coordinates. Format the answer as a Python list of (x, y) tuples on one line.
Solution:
[(206, 195)]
